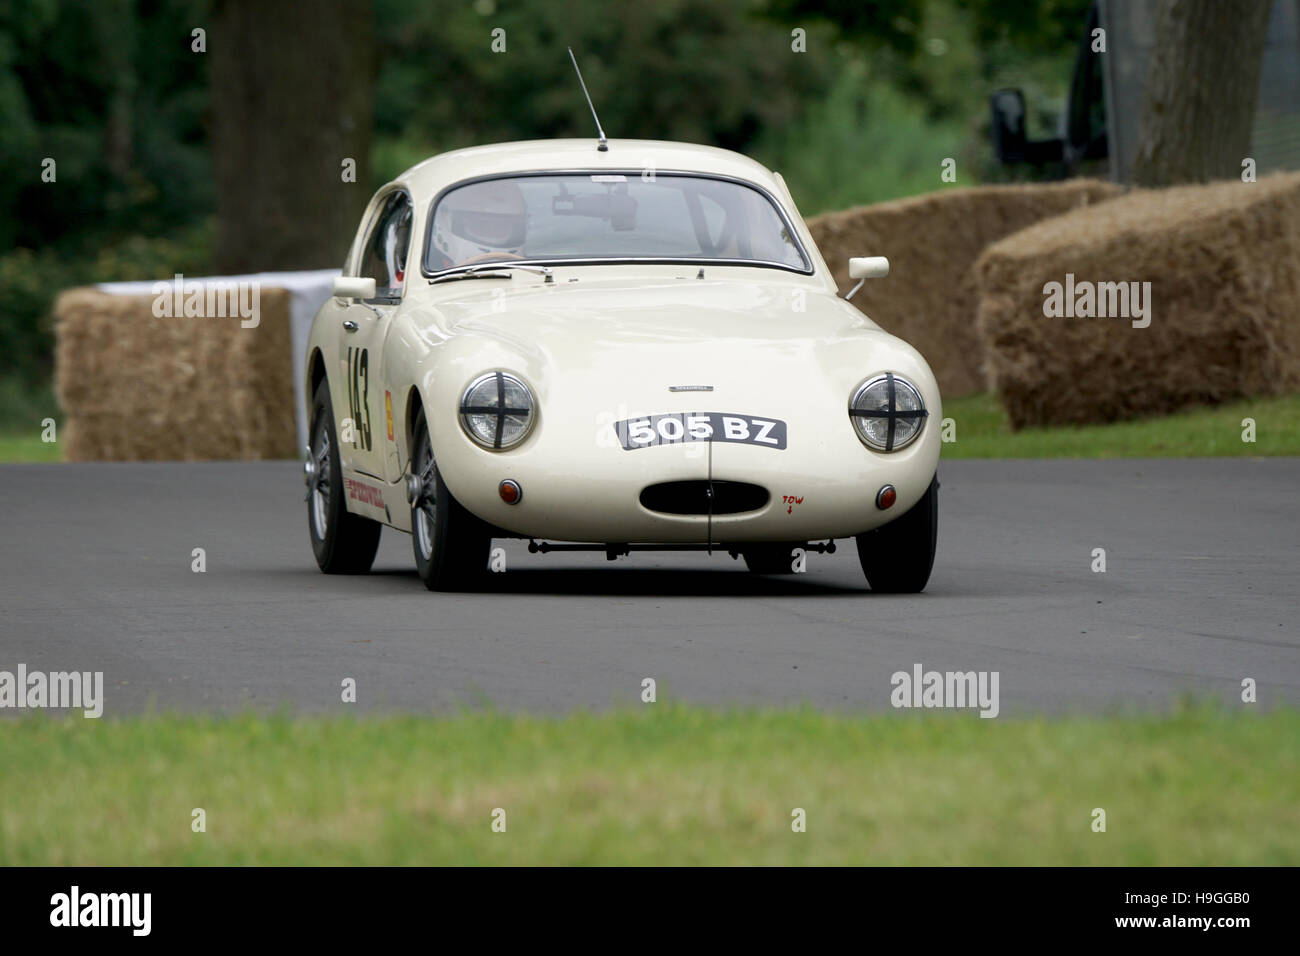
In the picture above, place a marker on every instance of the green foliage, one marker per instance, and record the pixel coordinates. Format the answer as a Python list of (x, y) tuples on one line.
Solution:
[(29, 281), (1039, 26), (891, 24), (23, 406), (892, 115), (1036, 26), (705, 71), (864, 143), (111, 92), (116, 98), (188, 251)]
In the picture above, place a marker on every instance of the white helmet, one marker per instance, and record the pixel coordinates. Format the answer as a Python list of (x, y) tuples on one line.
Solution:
[(480, 219), (396, 241)]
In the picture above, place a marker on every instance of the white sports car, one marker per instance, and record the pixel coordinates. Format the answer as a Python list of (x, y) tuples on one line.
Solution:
[(616, 348)]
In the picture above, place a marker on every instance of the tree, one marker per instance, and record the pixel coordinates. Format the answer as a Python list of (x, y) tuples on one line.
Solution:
[(292, 102), (1201, 87), (706, 71)]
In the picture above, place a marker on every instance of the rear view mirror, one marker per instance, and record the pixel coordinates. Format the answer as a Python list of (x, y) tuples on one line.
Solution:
[(618, 208)]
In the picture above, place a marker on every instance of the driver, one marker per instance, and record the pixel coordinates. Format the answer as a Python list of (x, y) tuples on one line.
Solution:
[(480, 222), (396, 241)]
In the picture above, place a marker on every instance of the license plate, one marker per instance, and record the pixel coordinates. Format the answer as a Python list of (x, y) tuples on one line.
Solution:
[(678, 428)]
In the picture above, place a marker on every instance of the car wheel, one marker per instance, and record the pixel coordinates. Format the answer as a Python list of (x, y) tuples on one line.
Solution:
[(770, 558), (451, 545), (897, 557), (343, 543)]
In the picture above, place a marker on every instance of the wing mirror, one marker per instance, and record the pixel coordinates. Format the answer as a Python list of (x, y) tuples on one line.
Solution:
[(354, 287), (863, 268), (868, 267)]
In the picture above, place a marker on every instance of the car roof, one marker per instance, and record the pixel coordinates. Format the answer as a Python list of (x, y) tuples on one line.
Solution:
[(434, 174)]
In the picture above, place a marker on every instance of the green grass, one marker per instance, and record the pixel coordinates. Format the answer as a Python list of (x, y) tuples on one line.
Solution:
[(28, 448), (982, 431), (23, 407), (666, 784)]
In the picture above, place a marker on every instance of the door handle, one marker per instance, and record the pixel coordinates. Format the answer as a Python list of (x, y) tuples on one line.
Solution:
[(349, 325)]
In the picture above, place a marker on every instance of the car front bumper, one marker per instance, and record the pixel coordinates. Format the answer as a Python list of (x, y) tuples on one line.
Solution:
[(817, 490)]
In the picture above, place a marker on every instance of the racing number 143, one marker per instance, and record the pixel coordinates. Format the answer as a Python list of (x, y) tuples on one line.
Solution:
[(359, 396)]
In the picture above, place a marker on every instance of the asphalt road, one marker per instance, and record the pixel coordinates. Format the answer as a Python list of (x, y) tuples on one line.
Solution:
[(1201, 590)]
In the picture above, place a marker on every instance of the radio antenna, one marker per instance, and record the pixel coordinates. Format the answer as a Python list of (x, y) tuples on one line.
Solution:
[(601, 144)]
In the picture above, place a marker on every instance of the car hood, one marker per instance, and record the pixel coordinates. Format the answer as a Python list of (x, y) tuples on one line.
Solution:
[(682, 326), (777, 348)]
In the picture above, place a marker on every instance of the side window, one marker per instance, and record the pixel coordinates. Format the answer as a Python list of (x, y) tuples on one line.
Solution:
[(384, 256)]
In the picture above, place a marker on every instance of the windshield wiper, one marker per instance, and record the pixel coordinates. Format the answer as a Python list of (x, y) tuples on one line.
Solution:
[(493, 270)]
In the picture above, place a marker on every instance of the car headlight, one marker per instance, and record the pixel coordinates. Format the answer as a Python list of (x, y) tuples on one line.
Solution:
[(888, 412), (497, 410)]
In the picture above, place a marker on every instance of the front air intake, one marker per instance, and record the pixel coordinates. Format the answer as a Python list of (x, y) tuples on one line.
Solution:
[(692, 497)]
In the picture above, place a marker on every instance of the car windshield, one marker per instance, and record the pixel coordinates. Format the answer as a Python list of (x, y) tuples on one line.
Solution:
[(609, 216)]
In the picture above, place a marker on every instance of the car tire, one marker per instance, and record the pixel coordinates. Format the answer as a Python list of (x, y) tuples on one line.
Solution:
[(343, 543), (450, 544), (770, 558), (897, 557)]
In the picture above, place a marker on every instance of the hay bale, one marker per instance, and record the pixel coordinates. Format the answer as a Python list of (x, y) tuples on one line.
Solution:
[(1223, 261), (932, 241), (136, 387)]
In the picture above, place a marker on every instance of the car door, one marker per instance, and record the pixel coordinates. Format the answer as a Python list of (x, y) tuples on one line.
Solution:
[(362, 415)]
